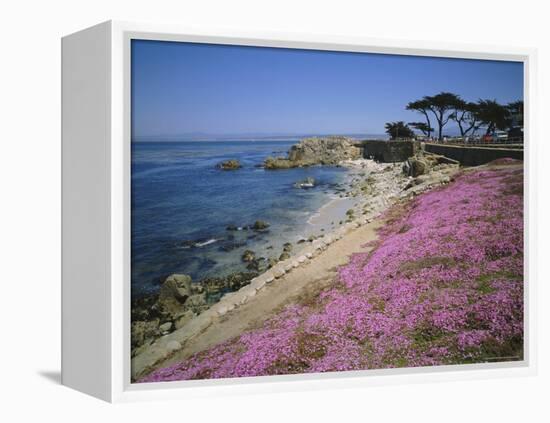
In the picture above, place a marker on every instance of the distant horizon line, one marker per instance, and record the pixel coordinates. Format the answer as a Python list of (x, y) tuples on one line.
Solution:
[(248, 137)]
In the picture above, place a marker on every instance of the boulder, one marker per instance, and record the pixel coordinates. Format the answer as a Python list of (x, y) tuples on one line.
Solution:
[(197, 288), (229, 165), (240, 279), (176, 286), (284, 256), (231, 282), (305, 183), (165, 327), (418, 166), (213, 286), (143, 330), (258, 283), (142, 308), (318, 244), (260, 225), (278, 271), (259, 265), (174, 292), (279, 163), (424, 163), (196, 301), (248, 256)]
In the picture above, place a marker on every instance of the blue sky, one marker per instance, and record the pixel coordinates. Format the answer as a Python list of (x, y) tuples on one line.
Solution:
[(198, 90)]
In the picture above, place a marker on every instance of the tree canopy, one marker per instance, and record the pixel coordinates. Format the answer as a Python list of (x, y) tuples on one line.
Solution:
[(422, 127), (469, 116), (398, 130), (422, 107), (442, 106), (466, 115), (493, 115)]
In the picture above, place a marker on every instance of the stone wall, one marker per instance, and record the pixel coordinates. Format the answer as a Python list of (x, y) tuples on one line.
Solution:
[(388, 151), (473, 156)]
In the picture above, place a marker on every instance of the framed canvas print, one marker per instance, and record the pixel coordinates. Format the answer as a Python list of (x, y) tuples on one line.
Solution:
[(267, 212)]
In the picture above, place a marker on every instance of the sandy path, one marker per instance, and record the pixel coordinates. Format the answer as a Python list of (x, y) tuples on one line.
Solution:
[(320, 272)]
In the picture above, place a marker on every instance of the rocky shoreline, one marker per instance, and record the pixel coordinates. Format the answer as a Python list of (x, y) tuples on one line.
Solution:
[(316, 151), (156, 315), (182, 309)]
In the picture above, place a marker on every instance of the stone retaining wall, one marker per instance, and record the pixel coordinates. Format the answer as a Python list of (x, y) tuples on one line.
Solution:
[(473, 156), (389, 151)]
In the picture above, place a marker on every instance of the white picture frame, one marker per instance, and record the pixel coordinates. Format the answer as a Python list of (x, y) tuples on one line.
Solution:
[(96, 213)]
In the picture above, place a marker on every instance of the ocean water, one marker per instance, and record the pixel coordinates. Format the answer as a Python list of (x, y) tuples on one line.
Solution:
[(182, 204)]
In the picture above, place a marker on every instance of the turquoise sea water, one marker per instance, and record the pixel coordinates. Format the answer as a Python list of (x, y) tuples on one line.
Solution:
[(182, 204)]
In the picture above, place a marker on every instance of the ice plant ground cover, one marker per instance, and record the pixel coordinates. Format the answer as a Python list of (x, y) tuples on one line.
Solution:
[(443, 285)]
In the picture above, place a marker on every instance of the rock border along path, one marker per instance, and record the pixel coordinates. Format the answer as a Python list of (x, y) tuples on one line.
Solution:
[(390, 188)]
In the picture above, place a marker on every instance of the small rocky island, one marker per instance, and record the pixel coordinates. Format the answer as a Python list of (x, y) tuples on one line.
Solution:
[(231, 164)]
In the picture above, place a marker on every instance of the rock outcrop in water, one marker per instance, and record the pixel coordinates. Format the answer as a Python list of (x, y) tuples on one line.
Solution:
[(260, 225), (305, 183), (229, 165), (248, 256), (314, 151)]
